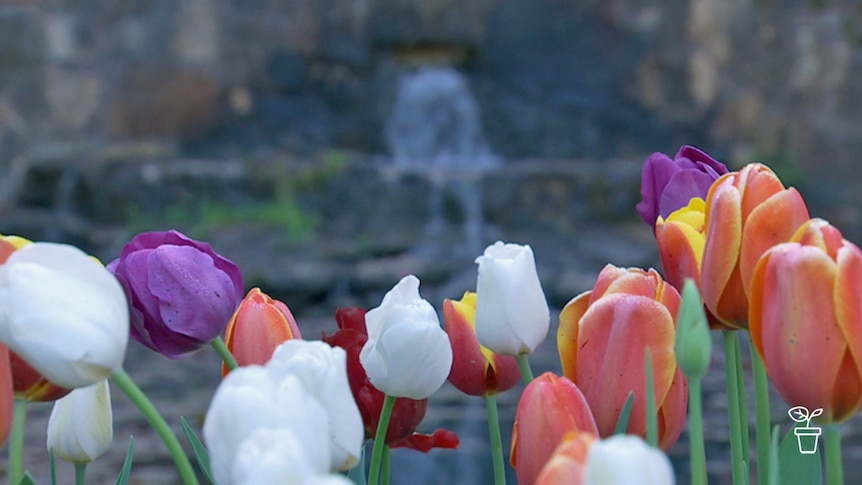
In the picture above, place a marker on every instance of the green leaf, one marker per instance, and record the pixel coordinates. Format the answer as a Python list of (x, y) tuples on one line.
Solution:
[(28, 479), (200, 451), (773, 472), (126, 470), (623, 421), (794, 467)]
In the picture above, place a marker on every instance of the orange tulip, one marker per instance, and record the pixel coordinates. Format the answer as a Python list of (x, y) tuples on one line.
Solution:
[(747, 212), (680, 240), (568, 464), (476, 370), (603, 338), (551, 408), (257, 327), (806, 320)]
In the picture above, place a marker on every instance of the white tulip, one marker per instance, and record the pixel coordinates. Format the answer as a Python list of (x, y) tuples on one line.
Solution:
[(63, 313), (627, 459), (407, 353), (512, 315), (323, 372), (81, 428), (249, 399), (278, 456)]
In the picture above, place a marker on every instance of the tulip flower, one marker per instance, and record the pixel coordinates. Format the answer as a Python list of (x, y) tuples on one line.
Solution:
[(258, 326), (551, 408), (512, 315), (63, 313), (746, 214), (603, 338), (407, 353), (476, 370), (627, 459), (667, 185), (80, 428), (407, 413), (181, 293), (279, 456), (323, 371), (252, 398), (27, 382), (580, 460), (806, 320)]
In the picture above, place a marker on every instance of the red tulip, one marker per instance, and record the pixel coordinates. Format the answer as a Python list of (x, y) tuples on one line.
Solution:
[(551, 408), (603, 338), (747, 212), (806, 320), (406, 413), (476, 370), (259, 325)]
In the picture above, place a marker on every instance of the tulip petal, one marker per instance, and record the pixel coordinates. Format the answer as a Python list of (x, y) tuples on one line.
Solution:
[(614, 333), (721, 285), (567, 333)]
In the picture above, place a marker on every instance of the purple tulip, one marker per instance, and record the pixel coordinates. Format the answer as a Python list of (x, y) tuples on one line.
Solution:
[(181, 293), (668, 185)]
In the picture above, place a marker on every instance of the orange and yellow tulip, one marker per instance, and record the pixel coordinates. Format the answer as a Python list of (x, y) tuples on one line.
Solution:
[(568, 464), (476, 370), (747, 212), (551, 409), (603, 338), (680, 240), (257, 327), (806, 320)]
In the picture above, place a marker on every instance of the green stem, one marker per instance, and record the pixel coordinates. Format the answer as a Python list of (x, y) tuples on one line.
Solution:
[(834, 467), (386, 474), (80, 473), (695, 431), (651, 413), (137, 396), (731, 342), (380, 440), (16, 441), (761, 402), (496, 440), (223, 352), (526, 371), (743, 407)]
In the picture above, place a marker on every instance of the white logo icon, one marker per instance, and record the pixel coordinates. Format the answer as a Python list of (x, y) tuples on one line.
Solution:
[(806, 436)]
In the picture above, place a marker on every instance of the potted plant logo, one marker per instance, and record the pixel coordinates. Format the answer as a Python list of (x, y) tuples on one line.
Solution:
[(806, 436)]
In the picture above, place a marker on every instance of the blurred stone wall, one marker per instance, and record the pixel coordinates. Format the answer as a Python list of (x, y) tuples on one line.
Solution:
[(110, 110)]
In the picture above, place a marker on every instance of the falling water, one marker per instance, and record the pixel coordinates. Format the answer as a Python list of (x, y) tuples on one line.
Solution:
[(435, 130)]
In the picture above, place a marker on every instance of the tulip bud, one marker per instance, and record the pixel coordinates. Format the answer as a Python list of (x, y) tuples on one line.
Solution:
[(81, 427), (693, 347), (806, 320), (476, 370), (258, 326), (568, 464), (550, 409), (603, 331), (667, 185), (512, 315), (63, 313), (181, 293), (407, 353)]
